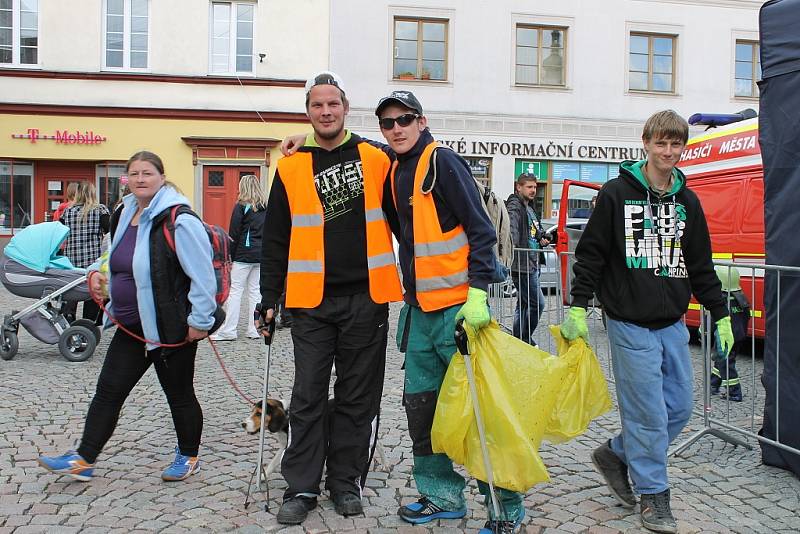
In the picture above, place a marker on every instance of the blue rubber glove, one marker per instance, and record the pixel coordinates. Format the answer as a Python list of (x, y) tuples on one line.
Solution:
[(574, 325), (475, 311), (724, 337)]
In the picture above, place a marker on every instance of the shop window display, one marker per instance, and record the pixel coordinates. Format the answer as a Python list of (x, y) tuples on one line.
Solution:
[(15, 195)]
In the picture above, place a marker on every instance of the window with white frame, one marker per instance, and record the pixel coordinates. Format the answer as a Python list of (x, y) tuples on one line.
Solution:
[(540, 55), (126, 42), (19, 32), (748, 69), (232, 25)]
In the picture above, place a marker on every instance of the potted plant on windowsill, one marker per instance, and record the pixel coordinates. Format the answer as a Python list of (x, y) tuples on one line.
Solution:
[(408, 75), (426, 75)]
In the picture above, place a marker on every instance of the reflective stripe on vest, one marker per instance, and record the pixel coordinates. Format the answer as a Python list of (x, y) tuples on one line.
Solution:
[(440, 258), (375, 215), (381, 260), (443, 282), (305, 279), (442, 247), (306, 220), (304, 266)]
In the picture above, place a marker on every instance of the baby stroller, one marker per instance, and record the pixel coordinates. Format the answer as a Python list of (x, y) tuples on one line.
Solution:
[(31, 267)]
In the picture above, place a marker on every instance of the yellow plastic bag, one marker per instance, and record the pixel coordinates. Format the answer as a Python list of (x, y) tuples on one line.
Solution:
[(518, 386), (525, 395), (584, 395)]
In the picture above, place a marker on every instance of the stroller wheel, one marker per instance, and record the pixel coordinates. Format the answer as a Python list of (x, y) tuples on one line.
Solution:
[(9, 345), (77, 343), (87, 323)]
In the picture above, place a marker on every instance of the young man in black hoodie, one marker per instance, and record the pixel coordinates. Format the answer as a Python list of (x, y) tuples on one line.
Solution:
[(447, 260), (644, 252), (326, 235)]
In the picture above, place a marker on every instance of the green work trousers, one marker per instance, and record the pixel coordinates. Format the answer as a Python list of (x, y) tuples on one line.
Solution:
[(427, 339)]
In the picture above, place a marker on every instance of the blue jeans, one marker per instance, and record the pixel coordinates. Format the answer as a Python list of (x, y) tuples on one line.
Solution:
[(530, 304), (653, 372)]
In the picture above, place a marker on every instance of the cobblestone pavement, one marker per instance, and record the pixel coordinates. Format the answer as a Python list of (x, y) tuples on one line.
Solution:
[(43, 399)]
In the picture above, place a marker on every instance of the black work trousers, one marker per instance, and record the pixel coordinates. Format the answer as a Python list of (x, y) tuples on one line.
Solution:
[(125, 364), (350, 331)]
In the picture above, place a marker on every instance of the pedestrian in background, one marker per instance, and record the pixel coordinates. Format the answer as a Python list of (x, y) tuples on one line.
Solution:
[(69, 199), (724, 373), (247, 224), (161, 296), (529, 238), (88, 222), (644, 252)]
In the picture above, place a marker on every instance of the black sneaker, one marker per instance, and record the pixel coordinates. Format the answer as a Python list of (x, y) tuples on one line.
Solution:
[(347, 503), (656, 513), (733, 394), (494, 526), (615, 472), (294, 510), (424, 510)]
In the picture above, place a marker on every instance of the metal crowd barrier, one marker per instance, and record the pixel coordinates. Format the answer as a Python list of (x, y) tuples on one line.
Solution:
[(504, 296), (722, 416), (734, 422)]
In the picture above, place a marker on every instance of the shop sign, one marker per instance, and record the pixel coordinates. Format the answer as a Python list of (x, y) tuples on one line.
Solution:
[(736, 145), (549, 150), (62, 137), (537, 168)]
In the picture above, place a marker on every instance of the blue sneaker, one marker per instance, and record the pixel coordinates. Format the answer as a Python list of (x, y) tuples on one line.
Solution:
[(71, 464), (182, 467), (424, 510), (494, 526)]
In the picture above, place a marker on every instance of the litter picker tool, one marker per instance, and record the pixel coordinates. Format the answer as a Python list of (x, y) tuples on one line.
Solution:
[(462, 342), (259, 470)]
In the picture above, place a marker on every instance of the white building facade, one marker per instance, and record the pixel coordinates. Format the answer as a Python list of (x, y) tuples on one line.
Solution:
[(209, 85), (560, 89)]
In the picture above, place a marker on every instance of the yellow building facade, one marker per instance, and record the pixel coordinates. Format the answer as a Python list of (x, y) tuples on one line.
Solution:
[(204, 154)]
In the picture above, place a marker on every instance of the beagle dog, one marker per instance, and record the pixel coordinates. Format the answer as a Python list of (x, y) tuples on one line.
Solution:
[(277, 422)]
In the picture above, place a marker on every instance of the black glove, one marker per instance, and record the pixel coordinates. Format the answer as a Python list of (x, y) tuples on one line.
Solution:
[(265, 326)]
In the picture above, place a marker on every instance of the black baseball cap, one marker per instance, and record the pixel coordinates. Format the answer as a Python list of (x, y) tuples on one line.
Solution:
[(404, 98)]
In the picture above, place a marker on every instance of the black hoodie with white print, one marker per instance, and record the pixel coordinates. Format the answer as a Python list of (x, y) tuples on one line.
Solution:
[(340, 186), (644, 254)]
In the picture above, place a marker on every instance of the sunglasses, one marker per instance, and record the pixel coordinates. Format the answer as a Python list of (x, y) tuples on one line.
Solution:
[(403, 120)]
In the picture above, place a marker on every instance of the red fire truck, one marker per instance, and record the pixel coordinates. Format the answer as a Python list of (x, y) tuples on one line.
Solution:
[(723, 166)]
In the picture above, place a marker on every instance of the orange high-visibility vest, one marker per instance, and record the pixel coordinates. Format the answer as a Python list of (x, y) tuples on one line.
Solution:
[(440, 258), (305, 278)]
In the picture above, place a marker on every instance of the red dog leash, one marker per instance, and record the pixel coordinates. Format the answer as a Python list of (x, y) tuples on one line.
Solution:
[(101, 303)]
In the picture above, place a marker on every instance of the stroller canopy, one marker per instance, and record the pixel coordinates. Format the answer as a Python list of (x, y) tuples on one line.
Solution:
[(36, 247)]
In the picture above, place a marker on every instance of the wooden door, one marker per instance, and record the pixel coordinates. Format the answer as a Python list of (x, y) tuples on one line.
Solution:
[(220, 191)]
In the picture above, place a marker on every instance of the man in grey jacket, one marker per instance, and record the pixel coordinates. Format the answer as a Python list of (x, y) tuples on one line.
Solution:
[(528, 237)]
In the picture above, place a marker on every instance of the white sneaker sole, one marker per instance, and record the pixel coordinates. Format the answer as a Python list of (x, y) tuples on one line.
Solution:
[(192, 471)]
